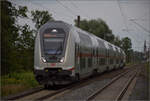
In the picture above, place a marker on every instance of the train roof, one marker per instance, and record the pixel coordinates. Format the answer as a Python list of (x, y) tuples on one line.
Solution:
[(67, 27), (56, 24)]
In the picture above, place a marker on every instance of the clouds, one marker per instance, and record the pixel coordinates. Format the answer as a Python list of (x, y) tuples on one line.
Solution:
[(107, 10)]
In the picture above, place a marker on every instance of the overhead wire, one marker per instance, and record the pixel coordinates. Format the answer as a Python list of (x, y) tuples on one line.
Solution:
[(137, 27), (124, 19), (52, 10), (146, 30), (123, 16), (66, 7), (75, 6), (46, 8)]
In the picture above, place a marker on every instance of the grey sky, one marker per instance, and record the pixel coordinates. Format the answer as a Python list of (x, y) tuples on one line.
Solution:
[(116, 14)]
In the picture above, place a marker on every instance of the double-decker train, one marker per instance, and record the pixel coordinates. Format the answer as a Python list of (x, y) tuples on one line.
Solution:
[(64, 53)]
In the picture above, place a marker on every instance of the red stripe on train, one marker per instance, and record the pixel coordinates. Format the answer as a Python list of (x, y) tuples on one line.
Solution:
[(71, 69)]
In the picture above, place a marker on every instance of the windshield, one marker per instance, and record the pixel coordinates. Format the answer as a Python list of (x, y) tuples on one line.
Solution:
[(53, 46)]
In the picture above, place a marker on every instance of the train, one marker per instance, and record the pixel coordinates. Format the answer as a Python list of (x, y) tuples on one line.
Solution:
[(64, 53)]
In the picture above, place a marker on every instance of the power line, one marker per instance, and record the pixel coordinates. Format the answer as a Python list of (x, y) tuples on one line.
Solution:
[(46, 8), (52, 10), (66, 7), (123, 16), (124, 19), (75, 6), (140, 26)]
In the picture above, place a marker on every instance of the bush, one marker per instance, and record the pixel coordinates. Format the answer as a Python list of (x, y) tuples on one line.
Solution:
[(16, 82)]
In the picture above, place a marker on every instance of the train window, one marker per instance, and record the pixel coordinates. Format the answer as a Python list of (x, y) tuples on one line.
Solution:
[(101, 44), (53, 46), (86, 40), (111, 61), (53, 40), (121, 60), (110, 46), (102, 61), (117, 61), (107, 52), (117, 49), (97, 55), (89, 62), (76, 54), (82, 63)]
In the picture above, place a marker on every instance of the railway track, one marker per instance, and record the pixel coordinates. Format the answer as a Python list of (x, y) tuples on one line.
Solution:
[(43, 94), (25, 93), (116, 88)]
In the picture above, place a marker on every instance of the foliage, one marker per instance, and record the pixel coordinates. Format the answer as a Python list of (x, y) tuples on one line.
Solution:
[(40, 17), (9, 35), (17, 49), (117, 41), (97, 27), (25, 48), (126, 46), (17, 40), (16, 82)]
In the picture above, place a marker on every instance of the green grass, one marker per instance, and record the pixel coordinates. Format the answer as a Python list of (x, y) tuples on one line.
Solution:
[(17, 82)]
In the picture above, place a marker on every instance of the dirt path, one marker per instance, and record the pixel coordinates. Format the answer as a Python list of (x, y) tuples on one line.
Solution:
[(141, 89)]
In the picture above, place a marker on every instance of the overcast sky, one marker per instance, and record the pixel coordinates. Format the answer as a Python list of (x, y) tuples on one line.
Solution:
[(118, 14)]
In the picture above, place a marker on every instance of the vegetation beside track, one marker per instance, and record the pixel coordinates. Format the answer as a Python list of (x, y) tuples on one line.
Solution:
[(129, 64), (17, 82), (18, 44), (147, 65)]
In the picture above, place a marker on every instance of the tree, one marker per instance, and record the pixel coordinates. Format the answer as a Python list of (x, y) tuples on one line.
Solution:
[(40, 18), (10, 35), (17, 40), (97, 27), (117, 41), (25, 47), (126, 46)]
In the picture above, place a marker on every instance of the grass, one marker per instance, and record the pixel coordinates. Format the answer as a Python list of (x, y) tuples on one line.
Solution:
[(17, 82), (147, 65), (129, 64)]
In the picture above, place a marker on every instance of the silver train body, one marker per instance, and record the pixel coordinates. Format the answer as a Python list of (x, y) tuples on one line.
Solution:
[(64, 53)]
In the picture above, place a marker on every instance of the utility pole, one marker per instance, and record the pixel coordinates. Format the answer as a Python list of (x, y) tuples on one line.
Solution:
[(145, 50), (78, 20)]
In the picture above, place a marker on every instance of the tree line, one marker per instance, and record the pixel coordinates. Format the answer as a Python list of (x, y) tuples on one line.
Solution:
[(101, 29), (17, 41)]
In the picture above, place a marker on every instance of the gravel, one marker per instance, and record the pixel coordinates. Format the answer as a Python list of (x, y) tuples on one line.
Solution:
[(140, 91), (84, 92)]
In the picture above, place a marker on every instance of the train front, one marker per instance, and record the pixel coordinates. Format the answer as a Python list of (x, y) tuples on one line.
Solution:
[(50, 58)]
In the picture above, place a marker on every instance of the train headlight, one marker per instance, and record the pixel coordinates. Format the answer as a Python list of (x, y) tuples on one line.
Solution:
[(43, 59), (62, 60)]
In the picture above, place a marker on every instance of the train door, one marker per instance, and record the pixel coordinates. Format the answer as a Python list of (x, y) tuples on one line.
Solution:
[(88, 61), (94, 64), (103, 60), (97, 58), (83, 64), (91, 61), (77, 58), (108, 59)]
